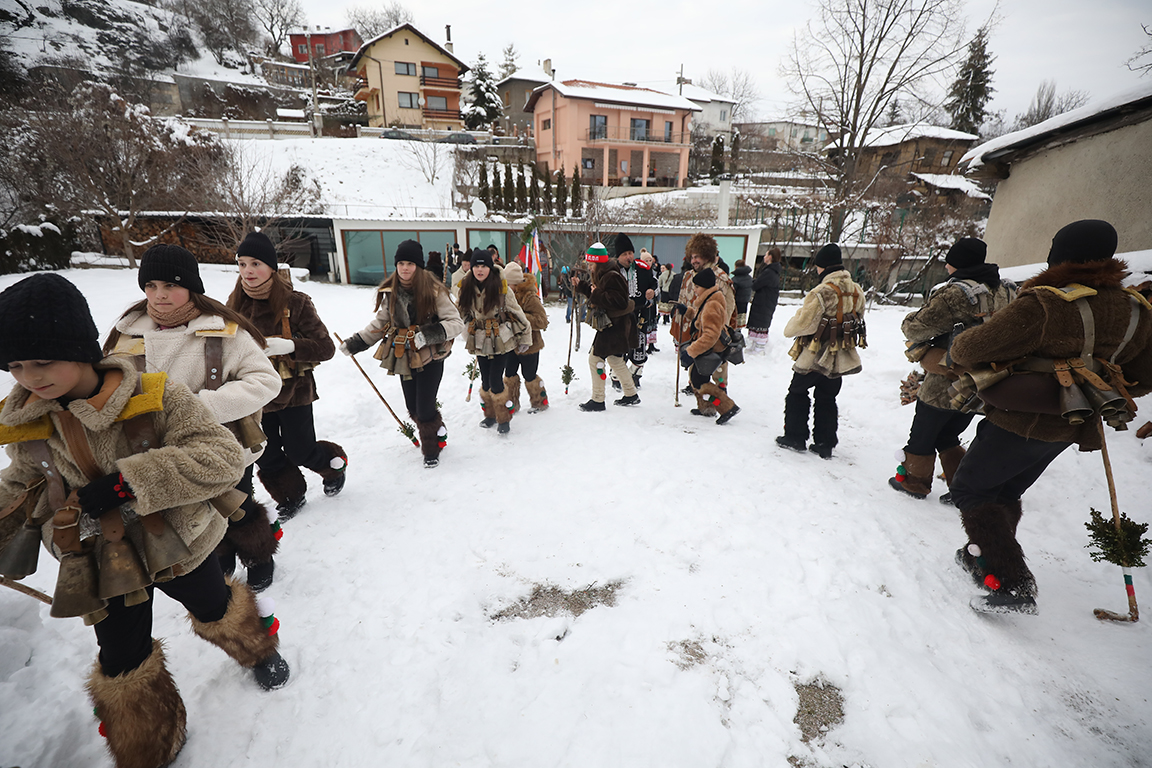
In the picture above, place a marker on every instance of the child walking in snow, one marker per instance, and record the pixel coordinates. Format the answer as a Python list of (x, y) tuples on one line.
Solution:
[(529, 362)]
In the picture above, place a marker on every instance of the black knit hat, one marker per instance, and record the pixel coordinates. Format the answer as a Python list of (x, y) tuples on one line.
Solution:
[(1083, 241), (967, 252), (256, 245), (412, 251), (828, 256), (622, 244), (705, 278), (170, 264), (481, 257), (45, 317)]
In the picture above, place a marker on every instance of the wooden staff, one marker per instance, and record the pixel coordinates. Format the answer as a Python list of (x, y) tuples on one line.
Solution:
[(678, 365), (403, 427), (25, 590), (1133, 610)]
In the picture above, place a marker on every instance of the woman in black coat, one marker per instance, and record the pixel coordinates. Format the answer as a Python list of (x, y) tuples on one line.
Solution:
[(765, 294), (742, 285)]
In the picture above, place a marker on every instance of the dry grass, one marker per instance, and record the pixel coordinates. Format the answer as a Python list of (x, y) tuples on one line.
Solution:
[(550, 600)]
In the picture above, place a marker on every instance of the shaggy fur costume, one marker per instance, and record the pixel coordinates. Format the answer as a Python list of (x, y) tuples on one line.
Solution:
[(992, 527), (429, 436), (240, 633), (142, 712), (324, 466), (512, 391), (286, 486), (538, 397), (252, 540)]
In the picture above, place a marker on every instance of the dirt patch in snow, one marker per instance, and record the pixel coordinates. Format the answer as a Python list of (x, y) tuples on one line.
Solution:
[(821, 708), (550, 600)]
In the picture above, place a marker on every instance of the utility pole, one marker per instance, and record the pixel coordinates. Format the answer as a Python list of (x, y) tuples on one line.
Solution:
[(680, 80), (317, 121), (552, 74)]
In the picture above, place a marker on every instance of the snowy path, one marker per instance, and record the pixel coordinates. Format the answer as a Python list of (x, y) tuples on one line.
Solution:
[(745, 569)]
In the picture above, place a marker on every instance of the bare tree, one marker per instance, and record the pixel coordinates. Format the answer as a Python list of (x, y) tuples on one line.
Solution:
[(739, 85), (1046, 104), (1141, 61), (373, 21), (276, 17), (854, 59), (427, 157)]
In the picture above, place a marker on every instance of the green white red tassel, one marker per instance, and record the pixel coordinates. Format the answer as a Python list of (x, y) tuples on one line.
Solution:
[(442, 436), (277, 531), (265, 607)]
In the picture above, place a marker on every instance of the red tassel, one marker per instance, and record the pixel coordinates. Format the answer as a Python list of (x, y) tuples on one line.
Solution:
[(991, 582), (443, 443), (101, 731), (275, 627)]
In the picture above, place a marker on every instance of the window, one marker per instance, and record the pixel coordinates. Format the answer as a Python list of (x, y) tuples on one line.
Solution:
[(640, 129), (598, 126), (589, 163), (929, 156), (319, 49), (794, 131), (546, 125), (431, 71), (771, 132), (668, 130), (409, 100), (507, 98), (946, 158), (723, 115), (302, 48), (405, 68), (438, 103)]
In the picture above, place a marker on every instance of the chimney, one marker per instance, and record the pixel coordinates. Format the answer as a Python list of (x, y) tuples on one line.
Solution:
[(448, 37)]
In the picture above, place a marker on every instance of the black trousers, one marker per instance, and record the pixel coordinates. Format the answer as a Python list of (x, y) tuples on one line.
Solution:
[(492, 372), (291, 440), (1000, 466), (528, 364), (935, 429), (824, 411), (125, 636), (420, 391), (697, 379)]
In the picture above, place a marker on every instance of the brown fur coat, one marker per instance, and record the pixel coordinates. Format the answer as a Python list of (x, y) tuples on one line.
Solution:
[(533, 309), (708, 315)]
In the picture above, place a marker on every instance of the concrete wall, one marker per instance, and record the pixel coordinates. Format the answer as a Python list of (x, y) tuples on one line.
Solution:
[(1102, 177)]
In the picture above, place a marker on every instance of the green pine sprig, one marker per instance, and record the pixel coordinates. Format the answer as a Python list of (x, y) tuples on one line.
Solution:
[(409, 431), (472, 371), (1126, 547)]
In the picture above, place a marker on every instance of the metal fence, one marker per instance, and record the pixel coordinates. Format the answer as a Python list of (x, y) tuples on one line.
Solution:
[(252, 129)]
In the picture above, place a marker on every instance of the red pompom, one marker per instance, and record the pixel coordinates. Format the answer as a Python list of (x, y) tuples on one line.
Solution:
[(101, 730), (279, 534), (443, 443), (275, 627), (900, 478), (991, 582)]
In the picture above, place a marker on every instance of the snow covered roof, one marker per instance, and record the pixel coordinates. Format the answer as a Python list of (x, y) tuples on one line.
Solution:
[(369, 43), (898, 134), (527, 75), (693, 92), (615, 94), (952, 181), (1131, 99)]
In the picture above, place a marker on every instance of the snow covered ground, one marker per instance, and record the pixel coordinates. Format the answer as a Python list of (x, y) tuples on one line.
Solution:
[(743, 571)]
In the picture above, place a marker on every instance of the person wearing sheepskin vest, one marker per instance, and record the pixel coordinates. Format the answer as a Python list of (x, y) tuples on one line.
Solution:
[(101, 458), (417, 322), (703, 252), (608, 296), (524, 286), (707, 317), (1021, 435), (973, 293), (828, 327), (496, 326), (297, 342), (174, 330)]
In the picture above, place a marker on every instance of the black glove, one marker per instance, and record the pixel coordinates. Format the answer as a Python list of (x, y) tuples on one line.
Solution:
[(681, 308), (686, 359), (103, 494), (353, 345)]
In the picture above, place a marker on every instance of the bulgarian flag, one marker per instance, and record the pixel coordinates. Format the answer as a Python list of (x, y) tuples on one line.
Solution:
[(530, 258)]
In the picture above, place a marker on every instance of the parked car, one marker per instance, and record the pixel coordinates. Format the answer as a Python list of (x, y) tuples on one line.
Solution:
[(393, 133), (458, 138)]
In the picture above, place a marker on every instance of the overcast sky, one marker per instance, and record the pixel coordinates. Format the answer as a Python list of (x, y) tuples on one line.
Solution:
[(1080, 45)]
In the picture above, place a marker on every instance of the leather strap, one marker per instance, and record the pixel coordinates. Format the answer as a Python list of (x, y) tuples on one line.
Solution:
[(1133, 321), (31, 489), (42, 455), (77, 441), (1089, 324), (213, 362), (66, 526), (112, 525)]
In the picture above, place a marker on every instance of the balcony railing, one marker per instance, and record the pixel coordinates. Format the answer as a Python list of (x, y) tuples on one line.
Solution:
[(617, 134), (440, 82), (442, 114)]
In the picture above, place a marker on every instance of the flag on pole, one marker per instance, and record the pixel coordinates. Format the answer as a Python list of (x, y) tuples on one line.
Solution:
[(530, 258)]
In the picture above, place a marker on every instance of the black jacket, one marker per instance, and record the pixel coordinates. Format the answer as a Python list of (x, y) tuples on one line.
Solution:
[(611, 295), (742, 284), (766, 292)]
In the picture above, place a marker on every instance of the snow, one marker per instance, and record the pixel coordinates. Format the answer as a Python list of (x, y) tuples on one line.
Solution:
[(898, 134), (618, 94), (975, 156), (745, 570), (952, 181)]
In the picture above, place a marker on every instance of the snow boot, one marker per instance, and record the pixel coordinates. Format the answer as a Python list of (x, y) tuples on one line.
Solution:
[(287, 487), (332, 466), (914, 475), (705, 403), (489, 419), (512, 392), (792, 443), (823, 450), (721, 402), (249, 635), (991, 529), (1005, 601), (254, 540), (592, 405), (688, 390), (433, 438), (628, 400), (537, 397), (502, 409), (141, 713)]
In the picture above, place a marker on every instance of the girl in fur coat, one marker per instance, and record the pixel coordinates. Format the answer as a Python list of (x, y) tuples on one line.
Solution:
[(298, 342), (529, 362), (496, 326), (180, 331), (104, 462), (417, 321)]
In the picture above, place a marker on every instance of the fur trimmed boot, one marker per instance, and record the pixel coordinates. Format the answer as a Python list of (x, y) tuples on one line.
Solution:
[(433, 437), (287, 487), (253, 540), (991, 529), (705, 405), (247, 636), (512, 392), (332, 466), (489, 419), (949, 462), (502, 410), (914, 475), (537, 397), (721, 402), (141, 713)]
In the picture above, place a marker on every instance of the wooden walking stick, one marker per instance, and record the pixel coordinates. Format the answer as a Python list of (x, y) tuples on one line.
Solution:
[(25, 590), (472, 371), (406, 429), (678, 368), (566, 373), (1133, 610)]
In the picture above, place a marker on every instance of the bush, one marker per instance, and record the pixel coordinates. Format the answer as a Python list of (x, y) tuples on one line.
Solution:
[(29, 248)]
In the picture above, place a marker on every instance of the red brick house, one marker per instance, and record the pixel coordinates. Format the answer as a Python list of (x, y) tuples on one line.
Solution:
[(323, 42)]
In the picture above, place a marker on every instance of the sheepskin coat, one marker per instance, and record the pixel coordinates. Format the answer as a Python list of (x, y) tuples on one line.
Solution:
[(440, 327), (507, 309), (707, 319), (1044, 322), (533, 308), (313, 344), (611, 295), (957, 301), (198, 459), (822, 302)]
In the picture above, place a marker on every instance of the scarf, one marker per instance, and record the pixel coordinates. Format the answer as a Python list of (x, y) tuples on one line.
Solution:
[(260, 292), (989, 274), (179, 316)]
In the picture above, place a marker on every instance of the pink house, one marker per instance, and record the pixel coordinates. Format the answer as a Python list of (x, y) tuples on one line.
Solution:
[(619, 135)]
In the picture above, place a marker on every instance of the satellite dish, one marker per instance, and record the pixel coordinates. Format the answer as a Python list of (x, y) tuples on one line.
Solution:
[(420, 100), (479, 210)]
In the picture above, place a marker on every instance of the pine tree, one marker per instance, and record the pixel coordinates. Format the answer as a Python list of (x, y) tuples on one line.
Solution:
[(521, 190), (486, 106), (509, 189), (484, 192), (533, 189), (497, 193), (716, 168), (546, 177), (509, 65), (972, 90), (577, 193), (893, 117), (735, 151), (561, 193)]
